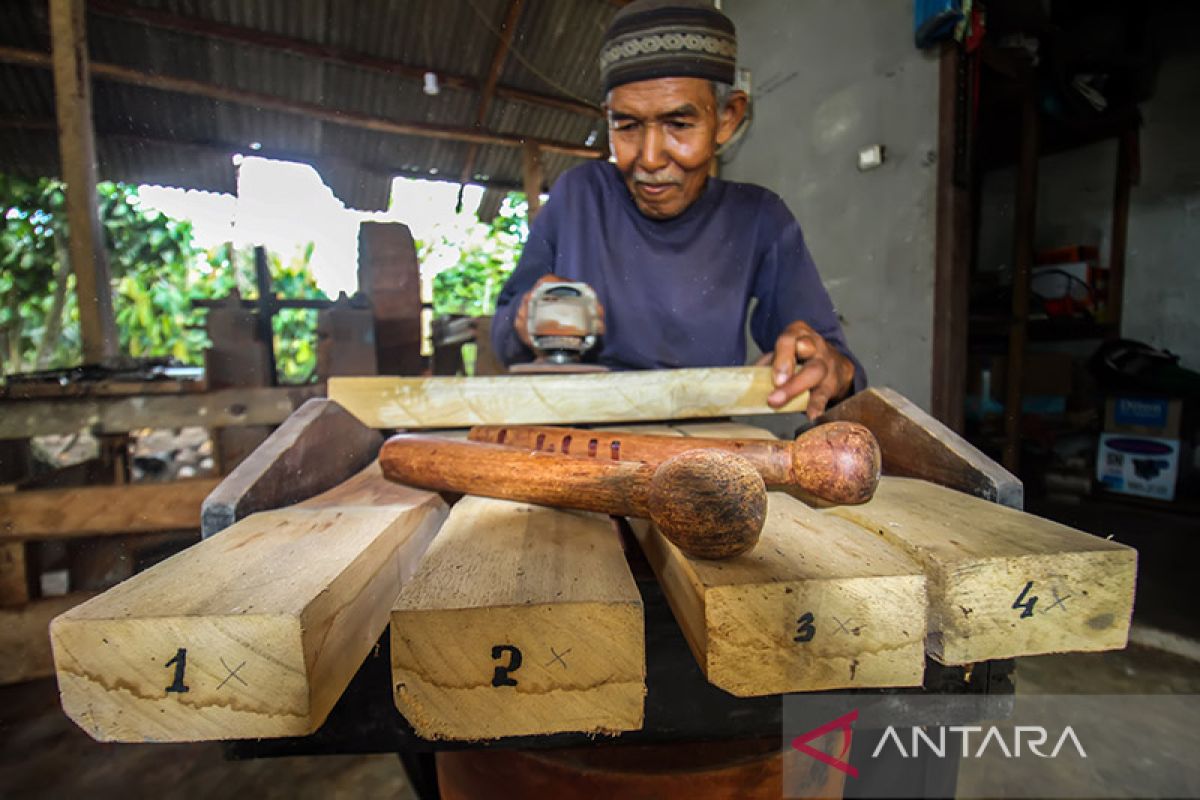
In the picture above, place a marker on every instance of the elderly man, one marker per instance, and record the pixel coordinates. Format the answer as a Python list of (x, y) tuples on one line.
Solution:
[(675, 256)]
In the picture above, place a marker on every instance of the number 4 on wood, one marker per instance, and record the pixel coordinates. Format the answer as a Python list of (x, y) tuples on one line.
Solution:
[(180, 662), (1021, 602)]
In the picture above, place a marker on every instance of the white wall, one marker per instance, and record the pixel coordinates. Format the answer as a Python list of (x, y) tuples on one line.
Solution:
[(831, 77), (1075, 195)]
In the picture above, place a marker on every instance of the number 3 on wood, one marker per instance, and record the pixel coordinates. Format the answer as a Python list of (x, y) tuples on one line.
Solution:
[(180, 662), (500, 676), (805, 630)]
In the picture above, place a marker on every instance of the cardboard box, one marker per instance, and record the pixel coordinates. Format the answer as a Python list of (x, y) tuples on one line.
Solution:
[(1139, 450)]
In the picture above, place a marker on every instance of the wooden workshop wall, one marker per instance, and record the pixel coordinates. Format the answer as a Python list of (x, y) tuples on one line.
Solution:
[(829, 79)]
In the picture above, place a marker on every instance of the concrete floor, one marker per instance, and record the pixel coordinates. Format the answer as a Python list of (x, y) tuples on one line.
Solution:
[(43, 754)]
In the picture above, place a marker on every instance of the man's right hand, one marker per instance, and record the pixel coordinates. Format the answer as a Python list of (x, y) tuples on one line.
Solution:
[(521, 323)]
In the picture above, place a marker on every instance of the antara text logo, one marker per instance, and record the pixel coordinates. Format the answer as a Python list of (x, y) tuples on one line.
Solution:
[(967, 741)]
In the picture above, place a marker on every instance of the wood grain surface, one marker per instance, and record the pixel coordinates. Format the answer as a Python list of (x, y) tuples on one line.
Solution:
[(391, 402), (521, 620), (814, 606), (1003, 583), (252, 633)]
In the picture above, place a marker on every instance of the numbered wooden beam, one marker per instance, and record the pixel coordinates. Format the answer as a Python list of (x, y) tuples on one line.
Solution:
[(253, 633), (813, 606), (390, 402), (522, 620), (1003, 583)]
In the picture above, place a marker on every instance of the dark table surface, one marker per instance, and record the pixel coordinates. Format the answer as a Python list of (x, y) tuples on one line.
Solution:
[(681, 705)]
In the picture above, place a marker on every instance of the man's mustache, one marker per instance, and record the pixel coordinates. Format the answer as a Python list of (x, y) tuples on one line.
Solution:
[(656, 178)]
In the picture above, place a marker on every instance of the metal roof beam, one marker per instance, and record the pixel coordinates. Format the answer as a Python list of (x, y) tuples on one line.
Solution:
[(351, 119), (334, 55)]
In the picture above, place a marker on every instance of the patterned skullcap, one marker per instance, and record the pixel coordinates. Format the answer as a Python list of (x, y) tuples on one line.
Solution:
[(668, 39)]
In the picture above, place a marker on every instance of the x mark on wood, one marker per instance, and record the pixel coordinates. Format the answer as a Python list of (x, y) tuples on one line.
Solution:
[(843, 627), (233, 673), (558, 657), (1058, 601)]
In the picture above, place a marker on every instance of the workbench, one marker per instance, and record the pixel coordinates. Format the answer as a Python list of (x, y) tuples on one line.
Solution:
[(325, 699)]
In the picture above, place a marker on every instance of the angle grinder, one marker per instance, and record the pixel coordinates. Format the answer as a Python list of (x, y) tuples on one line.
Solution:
[(563, 324)]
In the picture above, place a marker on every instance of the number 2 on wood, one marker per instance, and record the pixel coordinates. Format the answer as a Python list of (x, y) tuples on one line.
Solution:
[(500, 676), (1021, 602), (180, 662)]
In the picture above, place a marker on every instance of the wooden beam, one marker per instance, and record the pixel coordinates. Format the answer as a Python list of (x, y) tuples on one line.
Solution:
[(317, 111), (229, 147), (916, 445), (254, 633), (228, 407), (384, 402), (95, 510), (813, 606), (327, 53), (533, 177), (25, 637), (522, 620), (499, 55), (313, 450), (77, 152), (1003, 583)]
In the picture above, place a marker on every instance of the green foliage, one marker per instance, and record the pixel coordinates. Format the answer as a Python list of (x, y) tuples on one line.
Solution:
[(484, 263), (156, 272)]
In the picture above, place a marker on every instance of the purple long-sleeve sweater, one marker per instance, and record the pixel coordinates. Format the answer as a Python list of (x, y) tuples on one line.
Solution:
[(675, 292)]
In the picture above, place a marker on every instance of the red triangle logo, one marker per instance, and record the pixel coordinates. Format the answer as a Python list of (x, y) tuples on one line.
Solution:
[(844, 724)]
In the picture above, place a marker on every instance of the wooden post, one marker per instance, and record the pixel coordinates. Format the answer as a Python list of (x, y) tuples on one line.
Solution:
[(533, 177), (1127, 159), (952, 256), (14, 574), (389, 275), (1003, 583), (77, 150), (1023, 233)]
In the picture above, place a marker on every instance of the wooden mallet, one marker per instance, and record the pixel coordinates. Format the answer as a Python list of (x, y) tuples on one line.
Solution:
[(837, 463), (710, 503)]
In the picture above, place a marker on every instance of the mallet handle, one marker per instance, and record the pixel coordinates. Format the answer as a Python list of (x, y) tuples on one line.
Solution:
[(833, 464), (527, 476)]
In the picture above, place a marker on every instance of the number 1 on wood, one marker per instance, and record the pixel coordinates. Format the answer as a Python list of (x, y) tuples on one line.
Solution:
[(180, 662)]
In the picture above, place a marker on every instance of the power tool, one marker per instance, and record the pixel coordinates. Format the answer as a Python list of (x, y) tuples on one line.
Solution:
[(563, 324)]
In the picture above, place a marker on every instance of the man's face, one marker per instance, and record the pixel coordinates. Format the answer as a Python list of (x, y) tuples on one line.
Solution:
[(664, 134)]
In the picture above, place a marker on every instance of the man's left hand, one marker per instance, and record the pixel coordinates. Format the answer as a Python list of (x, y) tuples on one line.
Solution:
[(824, 372)]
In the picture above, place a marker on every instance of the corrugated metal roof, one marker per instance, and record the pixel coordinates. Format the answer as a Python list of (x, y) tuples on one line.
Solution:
[(152, 135)]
